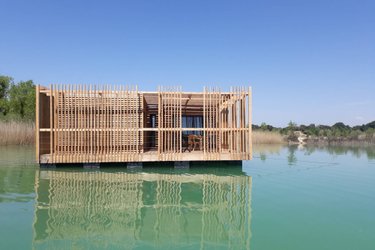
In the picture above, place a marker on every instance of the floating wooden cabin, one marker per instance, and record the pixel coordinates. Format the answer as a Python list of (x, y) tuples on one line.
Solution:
[(91, 124)]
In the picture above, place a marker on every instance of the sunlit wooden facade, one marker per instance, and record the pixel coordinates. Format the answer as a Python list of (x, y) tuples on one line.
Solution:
[(92, 124)]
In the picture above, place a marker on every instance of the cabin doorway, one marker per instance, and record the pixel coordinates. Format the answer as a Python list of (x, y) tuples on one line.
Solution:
[(192, 140)]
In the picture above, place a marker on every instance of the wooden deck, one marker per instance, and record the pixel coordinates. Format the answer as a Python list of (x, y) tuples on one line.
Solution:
[(148, 156)]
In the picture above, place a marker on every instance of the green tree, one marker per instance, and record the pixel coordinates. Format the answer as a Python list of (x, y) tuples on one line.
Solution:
[(312, 130), (370, 133), (22, 99), (292, 126), (263, 126), (5, 82)]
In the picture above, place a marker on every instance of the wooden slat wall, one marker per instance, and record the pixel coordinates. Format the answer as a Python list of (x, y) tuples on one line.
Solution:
[(226, 119), (212, 124), (96, 123), (170, 123)]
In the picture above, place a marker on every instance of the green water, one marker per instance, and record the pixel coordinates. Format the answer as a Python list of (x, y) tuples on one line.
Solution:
[(285, 198)]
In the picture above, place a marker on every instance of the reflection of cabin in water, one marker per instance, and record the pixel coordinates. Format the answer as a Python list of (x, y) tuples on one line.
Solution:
[(135, 210), (78, 124)]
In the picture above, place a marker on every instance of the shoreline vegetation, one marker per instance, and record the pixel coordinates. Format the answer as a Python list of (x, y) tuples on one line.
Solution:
[(338, 134), (17, 133), (17, 112), (267, 137)]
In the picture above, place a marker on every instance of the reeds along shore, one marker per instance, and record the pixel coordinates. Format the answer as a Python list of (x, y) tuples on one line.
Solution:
[(267, 137), (17, 133)]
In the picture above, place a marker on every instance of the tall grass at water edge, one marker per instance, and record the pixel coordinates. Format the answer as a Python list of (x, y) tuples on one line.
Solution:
[(266, 137), (17, 133)]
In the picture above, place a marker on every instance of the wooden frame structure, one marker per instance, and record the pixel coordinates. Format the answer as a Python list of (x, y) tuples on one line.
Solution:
[(95, 124)]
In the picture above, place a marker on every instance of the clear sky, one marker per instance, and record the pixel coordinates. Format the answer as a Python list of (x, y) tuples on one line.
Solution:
[(307, 61)]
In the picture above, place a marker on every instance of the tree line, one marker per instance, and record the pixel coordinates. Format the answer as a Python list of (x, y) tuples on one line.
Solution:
[(338, 130), (17, 99)]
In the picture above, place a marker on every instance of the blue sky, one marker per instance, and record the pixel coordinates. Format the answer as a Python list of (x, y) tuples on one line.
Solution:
[(307, 61)]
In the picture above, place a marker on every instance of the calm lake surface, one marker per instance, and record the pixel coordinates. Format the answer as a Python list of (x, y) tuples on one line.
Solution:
[(285, 198)]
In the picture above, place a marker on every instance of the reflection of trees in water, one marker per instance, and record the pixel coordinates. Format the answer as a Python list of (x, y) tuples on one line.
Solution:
[(121, 209), (371, 153), (16, 181), (263, 156), (356, 151), (292, 159), (309, 149), (267, 148), (263, 150), (341, 150), (17, 173)]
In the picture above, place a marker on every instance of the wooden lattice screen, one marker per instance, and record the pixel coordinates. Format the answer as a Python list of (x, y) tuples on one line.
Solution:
[(96, 124), (226, 117), (170, 123)]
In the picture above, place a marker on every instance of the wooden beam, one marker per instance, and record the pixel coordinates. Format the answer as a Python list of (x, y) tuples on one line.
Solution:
[(37, 123)]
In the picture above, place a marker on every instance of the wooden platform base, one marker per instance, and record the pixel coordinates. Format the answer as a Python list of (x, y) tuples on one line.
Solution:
[(149, 156)]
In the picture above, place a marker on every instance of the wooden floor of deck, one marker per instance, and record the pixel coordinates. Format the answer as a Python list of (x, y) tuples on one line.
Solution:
[(147, 156)]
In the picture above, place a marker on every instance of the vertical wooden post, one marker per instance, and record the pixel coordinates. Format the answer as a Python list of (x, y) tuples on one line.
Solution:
[(37, 123), (96, 133), (84, 124), (80, 124), (211, 118), (137, 117), (174, 122), (169, 115), (115, 121), (159, 121), (74, 102), (230, 101), (250, 123), (51, 119), (69, 121), (204, 121), (243, 123), (55, 118), (58, 122), (221, 108), (63, 123), (180, 117), (122, 117)]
